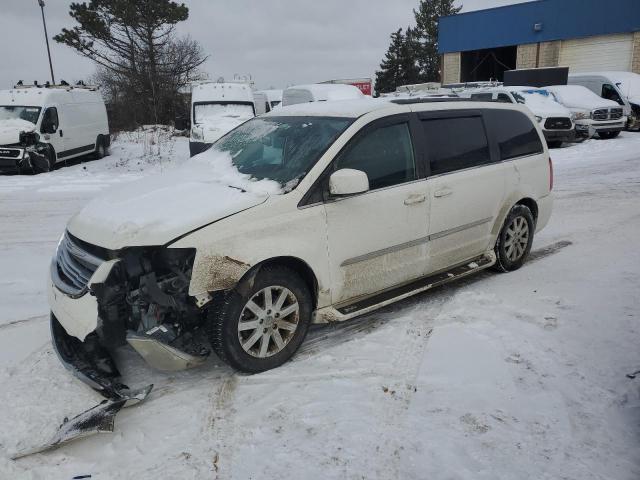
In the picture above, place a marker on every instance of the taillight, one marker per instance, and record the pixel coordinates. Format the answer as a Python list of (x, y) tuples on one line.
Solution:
[(550, 174)]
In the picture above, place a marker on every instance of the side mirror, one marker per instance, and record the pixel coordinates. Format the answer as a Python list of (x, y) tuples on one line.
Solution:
[(348, 181), (182, 123), (49, 128)]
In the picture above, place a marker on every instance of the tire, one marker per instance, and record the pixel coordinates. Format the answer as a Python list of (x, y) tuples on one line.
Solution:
[(101, 149), (243, 348), (554, 143), (608, 135), (515, 239)]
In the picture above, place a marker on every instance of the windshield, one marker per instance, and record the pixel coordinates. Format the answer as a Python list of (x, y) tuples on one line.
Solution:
[(283, 149), (30, 114), (629, 85), (208, 112)]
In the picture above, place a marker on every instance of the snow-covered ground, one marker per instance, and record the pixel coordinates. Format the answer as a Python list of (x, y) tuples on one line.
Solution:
[(500, 376)]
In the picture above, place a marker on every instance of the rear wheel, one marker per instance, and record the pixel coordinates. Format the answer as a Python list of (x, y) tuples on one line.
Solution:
[(608, 135), (262, 322), (101, 149), (515, 239)]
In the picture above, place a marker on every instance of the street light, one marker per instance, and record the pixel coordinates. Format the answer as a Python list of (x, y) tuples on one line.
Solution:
[(46, 37)]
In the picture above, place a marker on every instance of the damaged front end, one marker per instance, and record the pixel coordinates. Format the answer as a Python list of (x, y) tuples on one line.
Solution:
[(102, 299), (29, 155)]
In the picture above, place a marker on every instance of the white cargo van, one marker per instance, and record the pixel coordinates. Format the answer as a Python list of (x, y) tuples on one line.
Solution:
[(320, 93), (43, 125), (216, 109), (267, 100), (621, 87)]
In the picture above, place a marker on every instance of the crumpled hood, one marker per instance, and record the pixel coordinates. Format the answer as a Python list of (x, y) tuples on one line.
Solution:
[(10, 130), (157, 209)]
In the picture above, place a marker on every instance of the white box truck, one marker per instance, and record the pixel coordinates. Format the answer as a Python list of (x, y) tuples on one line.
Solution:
[(43, 125), (216, 109)]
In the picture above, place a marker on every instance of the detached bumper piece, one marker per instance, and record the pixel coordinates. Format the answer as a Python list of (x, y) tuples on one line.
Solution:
[(91, 363)]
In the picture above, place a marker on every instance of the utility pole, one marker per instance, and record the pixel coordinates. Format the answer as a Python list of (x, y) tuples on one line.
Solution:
[(46, 37)]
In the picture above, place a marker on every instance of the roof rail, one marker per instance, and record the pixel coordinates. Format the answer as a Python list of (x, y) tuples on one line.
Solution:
[(409, 101)]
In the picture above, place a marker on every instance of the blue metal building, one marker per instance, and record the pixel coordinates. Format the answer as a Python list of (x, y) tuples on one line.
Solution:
[(584, 35)]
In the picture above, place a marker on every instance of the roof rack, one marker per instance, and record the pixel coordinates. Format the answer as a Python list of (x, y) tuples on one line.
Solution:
[(62, 85), (409, 101)]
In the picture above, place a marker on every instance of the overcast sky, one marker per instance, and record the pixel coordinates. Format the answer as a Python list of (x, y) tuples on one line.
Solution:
[(278, 42)]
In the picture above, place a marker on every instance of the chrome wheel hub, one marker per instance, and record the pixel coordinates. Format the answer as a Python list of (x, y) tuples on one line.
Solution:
[(268, 321), (516, 239)]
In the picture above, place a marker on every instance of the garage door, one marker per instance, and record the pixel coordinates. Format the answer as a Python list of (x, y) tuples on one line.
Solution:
[(610, 52)]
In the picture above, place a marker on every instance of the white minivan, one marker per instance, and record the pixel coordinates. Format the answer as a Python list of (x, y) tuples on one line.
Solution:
[(43, 125), (314, 213), (217, 108), (620, 87)]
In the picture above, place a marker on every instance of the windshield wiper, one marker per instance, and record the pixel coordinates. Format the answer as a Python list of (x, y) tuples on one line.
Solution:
[(237, 188)]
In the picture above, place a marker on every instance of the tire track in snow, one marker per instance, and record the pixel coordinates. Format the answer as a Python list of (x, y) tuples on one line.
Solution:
[(220, 427)]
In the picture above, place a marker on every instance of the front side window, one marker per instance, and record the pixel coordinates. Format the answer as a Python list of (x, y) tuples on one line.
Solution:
[(504, 98), (11, 112), (455, 143), (50, 121), (213, 111), (283, 149), (515, 133), (610, 93), (384, 154)]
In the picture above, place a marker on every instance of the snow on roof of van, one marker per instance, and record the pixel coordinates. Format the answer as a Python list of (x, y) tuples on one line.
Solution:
[(38, 97), (330, 91), (212, 92), (577, 96), (340, 108)]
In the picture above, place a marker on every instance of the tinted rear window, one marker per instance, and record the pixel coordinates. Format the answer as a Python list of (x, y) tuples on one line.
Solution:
[(515, 133), (455, 143)]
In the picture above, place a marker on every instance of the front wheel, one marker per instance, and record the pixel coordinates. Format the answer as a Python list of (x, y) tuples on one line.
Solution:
[(261, 323), (608, 135), (101, 149), (515, 239)]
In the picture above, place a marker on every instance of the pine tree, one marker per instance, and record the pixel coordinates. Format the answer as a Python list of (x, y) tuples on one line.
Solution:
[(388, 76), (426, 33)]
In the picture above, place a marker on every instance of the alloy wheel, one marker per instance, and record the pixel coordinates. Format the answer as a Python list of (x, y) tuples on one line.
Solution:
[(517, 238), (268, 321)]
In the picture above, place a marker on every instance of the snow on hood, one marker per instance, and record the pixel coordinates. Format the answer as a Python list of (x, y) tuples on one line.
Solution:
[(159, 208), (579, 97), (10, 130), (541, 105)]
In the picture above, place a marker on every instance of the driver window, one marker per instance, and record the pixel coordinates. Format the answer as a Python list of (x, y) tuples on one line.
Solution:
[(50, 121), (610, 93), (384, 154)]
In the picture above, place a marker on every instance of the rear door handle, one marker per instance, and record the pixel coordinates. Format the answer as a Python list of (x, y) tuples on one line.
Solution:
[(445, 192), (414, 199)]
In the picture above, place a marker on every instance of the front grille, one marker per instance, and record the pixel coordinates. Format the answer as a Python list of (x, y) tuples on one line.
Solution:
[(10, 152), (615, 113), (602, 114), (73, 267), (558, 123)]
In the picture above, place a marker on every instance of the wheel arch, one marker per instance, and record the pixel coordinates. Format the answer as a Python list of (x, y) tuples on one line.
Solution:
[(531, 204), (294, 263), (525, 200)]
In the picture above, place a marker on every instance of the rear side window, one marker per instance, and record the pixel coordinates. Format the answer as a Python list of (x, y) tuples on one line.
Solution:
[(515, 133), (482, 97), (504, 98), (384, 154), (456, 143)]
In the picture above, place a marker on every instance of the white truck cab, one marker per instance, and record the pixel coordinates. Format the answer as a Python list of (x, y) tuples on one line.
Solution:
[(324, 92), (555, 120), (216, 109), (592, 114), (43, 125), (267, 100), (620, 87)]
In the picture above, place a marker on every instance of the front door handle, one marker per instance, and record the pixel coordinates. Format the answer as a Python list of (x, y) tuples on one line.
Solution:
[(61, 133), (415, 199), (445, 192)]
